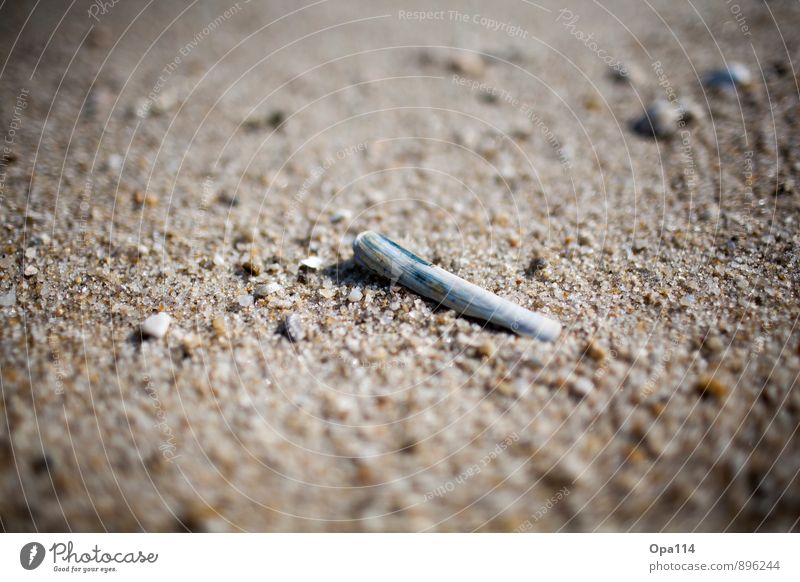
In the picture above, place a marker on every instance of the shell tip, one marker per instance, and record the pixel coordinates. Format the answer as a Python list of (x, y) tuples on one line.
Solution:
[(361, 235)]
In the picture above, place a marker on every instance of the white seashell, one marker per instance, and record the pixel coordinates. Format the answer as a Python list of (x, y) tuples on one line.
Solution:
[(313, 263), (388, 259), (156, 325)]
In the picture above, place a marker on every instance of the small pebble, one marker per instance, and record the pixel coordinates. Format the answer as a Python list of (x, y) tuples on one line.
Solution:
[(582, 386), (486, 349), (245, 300), (268, 289), (469, 64), (227, 200), (627, 74), (30, 270), (505, 388), (355, 295), (219, 327), (736, 75), (276, 118), (313, 263), (662, 119), (340, 215), (594, 351), (247, 234), (536, 265), (190, 342), (787, 186), (156, 325), (272, 120), (9, 299), (145, 198), (710, 386), (293, 328), (252, 267), (164, 103), (714, 345)]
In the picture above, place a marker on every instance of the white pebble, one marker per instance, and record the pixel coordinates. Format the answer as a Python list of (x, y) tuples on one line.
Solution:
[(340, 215), (9, 299), (268, 289), (663, 119), (582, 386), (156, 325), (469, 64), (355, 295), (30, 270), (245, 300)]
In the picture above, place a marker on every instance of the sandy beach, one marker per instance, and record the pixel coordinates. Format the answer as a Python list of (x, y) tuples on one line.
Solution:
[(214, 162)]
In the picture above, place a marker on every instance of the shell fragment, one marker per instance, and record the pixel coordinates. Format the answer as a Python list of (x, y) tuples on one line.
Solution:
[(388, 259)]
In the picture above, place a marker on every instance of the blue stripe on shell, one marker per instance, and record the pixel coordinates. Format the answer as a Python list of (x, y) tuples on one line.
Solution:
[(386, 258)]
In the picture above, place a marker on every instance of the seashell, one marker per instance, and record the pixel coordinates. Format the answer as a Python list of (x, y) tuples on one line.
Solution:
[(312, 263), (735, 75), (293, 328), (156, 325), (388, 259)]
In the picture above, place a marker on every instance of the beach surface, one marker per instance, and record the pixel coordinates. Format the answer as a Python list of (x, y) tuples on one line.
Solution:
[(215, 161)]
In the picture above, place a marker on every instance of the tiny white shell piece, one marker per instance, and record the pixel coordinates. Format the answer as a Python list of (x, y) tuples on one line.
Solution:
[(156, 325), (293, 328), (313, 263)]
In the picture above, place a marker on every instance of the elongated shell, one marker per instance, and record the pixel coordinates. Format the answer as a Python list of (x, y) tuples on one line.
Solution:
[(388, 259)]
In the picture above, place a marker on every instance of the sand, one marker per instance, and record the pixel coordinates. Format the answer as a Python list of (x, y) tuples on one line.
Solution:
[(187, 158)]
